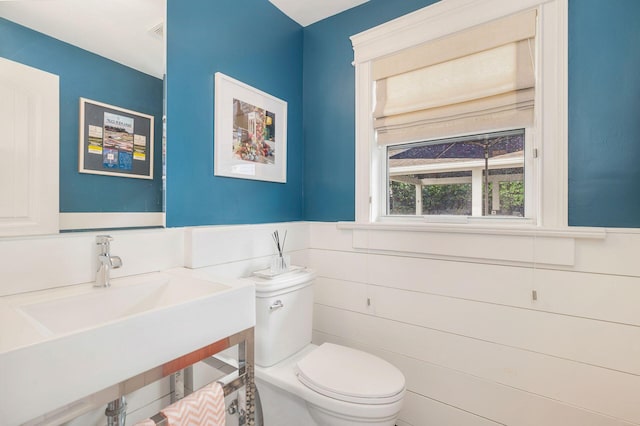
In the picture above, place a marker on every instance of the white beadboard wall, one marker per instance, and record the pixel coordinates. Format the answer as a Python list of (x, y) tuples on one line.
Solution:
[(474, 346)]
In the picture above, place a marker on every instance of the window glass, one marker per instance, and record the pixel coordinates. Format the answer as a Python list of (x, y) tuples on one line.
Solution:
[(478, 175)]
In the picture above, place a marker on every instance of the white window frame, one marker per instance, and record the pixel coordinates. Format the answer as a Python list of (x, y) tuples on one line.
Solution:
[(550, 128)]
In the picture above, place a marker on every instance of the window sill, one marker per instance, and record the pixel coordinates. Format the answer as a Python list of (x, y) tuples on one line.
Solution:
[(520, 244), (494, 227)]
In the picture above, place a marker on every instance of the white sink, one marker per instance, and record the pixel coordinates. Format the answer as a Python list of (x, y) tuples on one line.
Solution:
[(58, 346), (126, 297)]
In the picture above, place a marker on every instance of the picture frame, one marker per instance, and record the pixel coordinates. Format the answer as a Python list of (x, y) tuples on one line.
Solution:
[(250, 132), (115, 141)]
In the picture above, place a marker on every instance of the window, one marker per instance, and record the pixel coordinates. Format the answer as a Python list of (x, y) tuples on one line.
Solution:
[(488, 74), (479, 175)]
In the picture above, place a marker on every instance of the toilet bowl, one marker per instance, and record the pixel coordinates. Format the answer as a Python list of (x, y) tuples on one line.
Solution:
[(303, 384)]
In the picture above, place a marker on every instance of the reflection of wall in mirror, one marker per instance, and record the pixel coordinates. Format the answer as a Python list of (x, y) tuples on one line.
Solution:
[(84, 74)]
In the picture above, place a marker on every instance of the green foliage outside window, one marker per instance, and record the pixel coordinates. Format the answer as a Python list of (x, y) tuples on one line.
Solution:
[(512, 198), (453, 199), (402, 199), (447, 199)]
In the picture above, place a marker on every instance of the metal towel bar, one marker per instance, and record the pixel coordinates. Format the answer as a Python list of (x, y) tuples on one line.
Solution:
[(242, 376)]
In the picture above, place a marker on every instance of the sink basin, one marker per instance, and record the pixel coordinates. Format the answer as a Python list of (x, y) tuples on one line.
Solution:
[(61, 345), (126, 297)]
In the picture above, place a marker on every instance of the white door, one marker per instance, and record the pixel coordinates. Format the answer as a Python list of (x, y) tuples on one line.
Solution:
[(29, 150)]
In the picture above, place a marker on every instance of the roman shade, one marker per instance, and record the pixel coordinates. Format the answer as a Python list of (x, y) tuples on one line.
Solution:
[(476, 80)]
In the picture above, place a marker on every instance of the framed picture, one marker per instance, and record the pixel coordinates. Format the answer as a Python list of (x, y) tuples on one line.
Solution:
[(115, 141), (250, 132)]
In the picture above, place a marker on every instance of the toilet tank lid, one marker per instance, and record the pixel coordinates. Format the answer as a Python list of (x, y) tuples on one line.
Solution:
[(289, 281), (350, 375)]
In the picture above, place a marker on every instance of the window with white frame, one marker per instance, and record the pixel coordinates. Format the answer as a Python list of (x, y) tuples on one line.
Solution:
[(453, 103), (475, 175)]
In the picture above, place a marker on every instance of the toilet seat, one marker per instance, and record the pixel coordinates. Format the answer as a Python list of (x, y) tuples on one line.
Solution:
[(350, 375)]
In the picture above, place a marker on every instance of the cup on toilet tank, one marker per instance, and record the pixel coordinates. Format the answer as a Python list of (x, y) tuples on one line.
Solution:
[(279, 264)]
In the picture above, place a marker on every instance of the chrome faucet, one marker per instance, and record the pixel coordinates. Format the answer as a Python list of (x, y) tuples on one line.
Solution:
[(106, 262)]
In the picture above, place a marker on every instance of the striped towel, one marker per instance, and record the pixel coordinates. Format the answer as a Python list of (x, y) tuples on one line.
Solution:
[(145, 422), (205, 407)]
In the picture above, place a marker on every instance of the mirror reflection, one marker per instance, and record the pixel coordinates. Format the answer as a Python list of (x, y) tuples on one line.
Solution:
[(110, 52)]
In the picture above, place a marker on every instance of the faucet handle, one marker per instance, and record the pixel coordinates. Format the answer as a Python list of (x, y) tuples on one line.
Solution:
[(116, 262), (103, 239)]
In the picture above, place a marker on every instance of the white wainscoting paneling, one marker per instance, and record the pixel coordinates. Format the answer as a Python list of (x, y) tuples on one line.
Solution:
[(600, 343), (579, 384), (38, 263), (215, 245), (474, 346), (499, 403), (468, 334), (476, 246), (426, 411)]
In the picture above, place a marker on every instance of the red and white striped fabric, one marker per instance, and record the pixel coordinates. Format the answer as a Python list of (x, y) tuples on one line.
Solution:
[(205, 407)]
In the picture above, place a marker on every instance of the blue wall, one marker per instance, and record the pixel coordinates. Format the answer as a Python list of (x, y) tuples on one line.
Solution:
[(604, 110), (604, 113), (311, 69), (329, 106), (251, 41), (84, 74)]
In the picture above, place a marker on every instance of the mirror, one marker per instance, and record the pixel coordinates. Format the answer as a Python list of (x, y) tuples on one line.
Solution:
[(108, 51)]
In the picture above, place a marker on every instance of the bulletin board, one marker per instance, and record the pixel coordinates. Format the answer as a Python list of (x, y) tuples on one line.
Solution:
[(115, 141)]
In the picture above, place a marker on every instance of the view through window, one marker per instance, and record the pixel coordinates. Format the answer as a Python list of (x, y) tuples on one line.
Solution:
[(479, 175)]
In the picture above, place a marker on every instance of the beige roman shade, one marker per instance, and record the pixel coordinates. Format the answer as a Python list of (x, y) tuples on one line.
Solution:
[(476, 80)]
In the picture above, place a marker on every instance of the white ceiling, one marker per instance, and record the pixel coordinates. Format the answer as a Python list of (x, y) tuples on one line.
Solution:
[(306, 12), (115, 29), (121, 29)]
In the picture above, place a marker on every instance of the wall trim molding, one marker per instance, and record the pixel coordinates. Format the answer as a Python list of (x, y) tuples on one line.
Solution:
[(520, 231), (427, 24), (83, 221)]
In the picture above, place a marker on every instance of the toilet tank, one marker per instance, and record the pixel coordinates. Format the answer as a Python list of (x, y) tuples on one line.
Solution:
[(284, 312)]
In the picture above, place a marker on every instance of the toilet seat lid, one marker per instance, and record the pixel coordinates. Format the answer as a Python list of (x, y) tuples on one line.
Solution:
[(351, 375)]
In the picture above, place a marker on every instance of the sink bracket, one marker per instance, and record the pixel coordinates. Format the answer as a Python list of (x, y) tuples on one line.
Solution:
[(179, 369)]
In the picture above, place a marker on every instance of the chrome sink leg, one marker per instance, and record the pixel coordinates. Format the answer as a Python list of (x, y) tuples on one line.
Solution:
[(116, 412)]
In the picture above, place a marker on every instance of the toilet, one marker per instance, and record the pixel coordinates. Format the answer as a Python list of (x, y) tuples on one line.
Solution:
[(307, 385)]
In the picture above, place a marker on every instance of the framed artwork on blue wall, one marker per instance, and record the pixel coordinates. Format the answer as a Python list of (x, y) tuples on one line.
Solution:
[(250, 132), (115, 141)]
